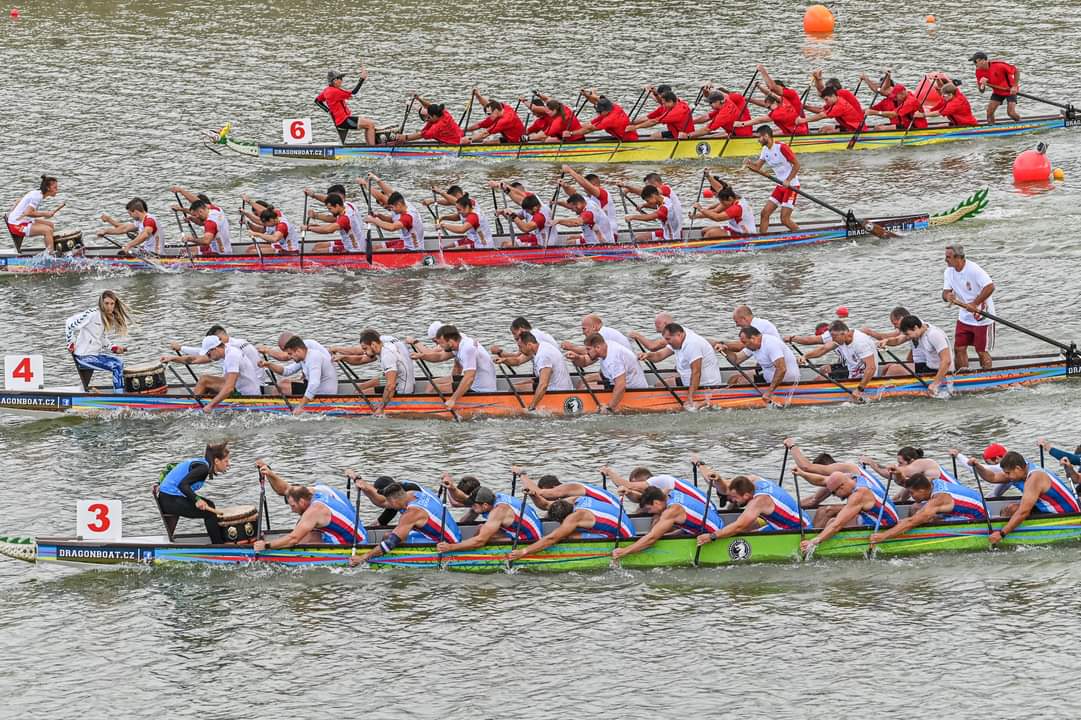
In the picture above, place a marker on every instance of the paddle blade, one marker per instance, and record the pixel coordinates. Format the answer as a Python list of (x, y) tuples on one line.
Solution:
[(880, 232)]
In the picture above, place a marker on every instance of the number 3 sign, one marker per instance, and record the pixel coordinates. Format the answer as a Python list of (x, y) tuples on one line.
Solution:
[(24, 372), (297, 132), (98, 519)]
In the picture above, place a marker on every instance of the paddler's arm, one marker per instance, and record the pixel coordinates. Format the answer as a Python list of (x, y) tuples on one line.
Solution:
[(305, 525), (484, 533), (1024, 509), (933, 507), (196, 473), (746, 522), (566, 529), (664, 525), (227, 387), (410, 519), (847, 514), (277, 483)]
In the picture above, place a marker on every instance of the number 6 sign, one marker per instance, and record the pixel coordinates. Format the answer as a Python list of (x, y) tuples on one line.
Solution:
[(98, 519), (297, 132)]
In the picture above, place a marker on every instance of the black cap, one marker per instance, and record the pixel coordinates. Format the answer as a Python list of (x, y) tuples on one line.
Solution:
[(978, 56), (481, 496), (381, 482)]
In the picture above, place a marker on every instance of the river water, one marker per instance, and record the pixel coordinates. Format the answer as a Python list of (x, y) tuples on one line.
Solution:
[(112, 97)]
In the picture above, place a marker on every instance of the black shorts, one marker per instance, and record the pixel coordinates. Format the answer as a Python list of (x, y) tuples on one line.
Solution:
[(923, 369), (349, 123), (759, 378), (995, 97), (837, 371), (667, 134)]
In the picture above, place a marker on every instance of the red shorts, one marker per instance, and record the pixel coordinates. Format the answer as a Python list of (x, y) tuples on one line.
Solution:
[(783, 197), (980, 337), (659, 233), (18, 231), (207, 252), (395, 244), (530, 239)]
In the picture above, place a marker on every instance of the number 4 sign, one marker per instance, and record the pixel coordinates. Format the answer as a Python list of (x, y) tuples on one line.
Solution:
[(297, 132), (24, 372), (98, 519)]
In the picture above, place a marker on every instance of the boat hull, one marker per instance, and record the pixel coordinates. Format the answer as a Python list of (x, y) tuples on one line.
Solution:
[(504, 404), (603, 151), (575, 555)]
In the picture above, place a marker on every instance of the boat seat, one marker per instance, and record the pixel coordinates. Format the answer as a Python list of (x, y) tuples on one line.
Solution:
[(17, 241), (85, 374), (169, 521)]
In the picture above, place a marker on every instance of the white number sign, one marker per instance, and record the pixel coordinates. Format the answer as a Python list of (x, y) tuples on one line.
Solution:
[(98, 519), (24, 372), (297, 131)]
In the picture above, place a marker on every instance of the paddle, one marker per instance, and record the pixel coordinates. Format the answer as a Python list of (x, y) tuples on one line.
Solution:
[(1042, 466), (926, 91), (513, 482), (495, 204), (983, 498), (552, 207), (697, 198), (186, 386), (873, 228), (653, 369), (180, 226), (1068, 108), (694, 473), (510, 381), (355, 381), (881, 509), (635, 109), (240, 234), (592, 395), (1069, 350), (368, 237), (863, 123), (904, 366), (518, 523), (463, 120), (802, 98), (274, 379), (405, 118), (705, 517), (442, 521), (144, 255), (823, 375), (750, 381), (263, 503), (619, 522), (746, 90), (304, 231), (795, 484), (626, 213), (431, 381), (356, 521)]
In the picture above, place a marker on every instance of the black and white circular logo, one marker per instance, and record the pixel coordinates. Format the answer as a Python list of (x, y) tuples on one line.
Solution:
[(428, 261), (739, 549), (702, 149), (572, 406)]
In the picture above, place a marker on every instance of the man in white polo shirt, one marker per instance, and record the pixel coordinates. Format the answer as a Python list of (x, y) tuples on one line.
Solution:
[(619, 366), (549, 367), (776, 361), (239, 374), (696, 362), (856, 349), (743, 317), (470, 359), (314, 360), (967, 284), (394, 363), (933, 345)]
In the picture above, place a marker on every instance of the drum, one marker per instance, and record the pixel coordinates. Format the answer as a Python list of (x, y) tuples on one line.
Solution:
[(239, 523), (68, 242), (145, 378)]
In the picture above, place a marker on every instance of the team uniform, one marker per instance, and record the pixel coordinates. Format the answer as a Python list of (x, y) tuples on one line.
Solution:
[(341, 530), (732, 110), (443, 129), (440, 526), (596, 226), (677, 119), (478, 233), (869, 518), (765, 327), (412, 237), (527, 523), (786, 513), (615, 123), (508, 126), (698, 519), (695, 347), (153, 243), (18, 221), (91, 345), (234, 342), (668, 483), (548, 356), (597, 492), (177, 495), (608, 522), (603, 199), (395, 356), (855, 354), (546, 232), (352, 231), (780, 159), (471, 356), (290, 242), (611, 335), (318, 369), (558, 125), (967, 284), (848, 117), (216, 225), (967, 503), (622, 362), (925, 350), (771, 350), (670, 215), (957, 110), (1001, 76), (1059, 499), (741, 218), (249, 378)]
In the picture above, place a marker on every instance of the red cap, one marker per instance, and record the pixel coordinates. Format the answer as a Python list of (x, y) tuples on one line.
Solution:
[(821, 328), (993, 452), (897, 90), (842, 312), (707, 193)]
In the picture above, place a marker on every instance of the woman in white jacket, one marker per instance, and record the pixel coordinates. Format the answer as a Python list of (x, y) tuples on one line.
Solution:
[(92, 337)]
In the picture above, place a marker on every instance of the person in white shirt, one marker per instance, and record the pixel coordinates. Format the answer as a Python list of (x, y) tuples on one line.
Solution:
[(730, 209), (776, 361), (518, 326), (239, 374), (592, 324), (471, 360), (591, 221), (743, 316), (785, 166), (619, 366), (93, 339), (894, 337), (394, 363), (933, 345), (856, 350), (696, 362), (549, 367), (660, 321), (195, 353), (144, 229), (968, 286), (314, 360), (404, 217), (25, 219)]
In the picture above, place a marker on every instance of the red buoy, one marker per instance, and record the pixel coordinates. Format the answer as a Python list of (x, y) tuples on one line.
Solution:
[(14, 13), (1032, 166), (708, 193), (842, 312)]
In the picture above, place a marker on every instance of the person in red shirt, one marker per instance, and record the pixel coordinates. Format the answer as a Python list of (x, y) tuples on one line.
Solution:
[(439, 125), (676, 117), (333, 100), (908, 112), (846, 117), (501, 125), (769, 86), (538, 129), (1003, 79), (954, 107), (611, 118), (781, 113), (726, 108), (557, 119)]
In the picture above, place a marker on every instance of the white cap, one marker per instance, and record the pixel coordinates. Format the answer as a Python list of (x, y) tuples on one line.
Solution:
[(209, 343), (433, 329)]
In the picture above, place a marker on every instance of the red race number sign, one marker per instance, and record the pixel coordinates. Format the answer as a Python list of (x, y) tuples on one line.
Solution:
[(99, 519), (24, 372), (297, 131)]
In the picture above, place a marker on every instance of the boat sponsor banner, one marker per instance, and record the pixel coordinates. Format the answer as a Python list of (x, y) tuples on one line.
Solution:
[(309, 152), (43, 403), (104, 554)]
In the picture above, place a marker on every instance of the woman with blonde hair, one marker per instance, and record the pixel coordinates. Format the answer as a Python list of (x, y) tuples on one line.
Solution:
[(93, 338)]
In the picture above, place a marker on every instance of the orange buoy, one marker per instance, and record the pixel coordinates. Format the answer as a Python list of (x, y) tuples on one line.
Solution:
[(931, 20), (1059, 174), (818, 19), (707, 193), (1032, 166)]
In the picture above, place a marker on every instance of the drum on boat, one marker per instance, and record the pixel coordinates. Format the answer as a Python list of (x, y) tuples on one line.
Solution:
[(145, 378), (239, 523), (68, 242)]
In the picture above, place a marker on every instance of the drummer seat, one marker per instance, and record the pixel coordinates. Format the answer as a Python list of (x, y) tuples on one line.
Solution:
[(85, 374), (16, 240), (169, 521)]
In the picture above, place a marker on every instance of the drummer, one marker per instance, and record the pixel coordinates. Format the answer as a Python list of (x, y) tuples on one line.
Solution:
[(177, 491), (239, 375), (93, 338), (25, 220), (326, 515)]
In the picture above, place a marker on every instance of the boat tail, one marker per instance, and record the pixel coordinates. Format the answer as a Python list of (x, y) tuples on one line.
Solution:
[(970, 207), (19, 548)]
